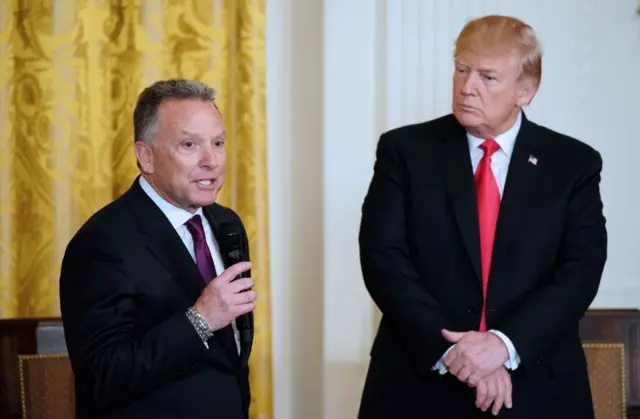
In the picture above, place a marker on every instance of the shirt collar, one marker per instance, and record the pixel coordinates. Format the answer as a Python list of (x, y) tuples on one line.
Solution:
[(506, 140), (177, 216)]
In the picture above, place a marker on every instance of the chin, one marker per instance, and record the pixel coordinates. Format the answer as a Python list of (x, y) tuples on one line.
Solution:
[(467, 119), (203, 200)]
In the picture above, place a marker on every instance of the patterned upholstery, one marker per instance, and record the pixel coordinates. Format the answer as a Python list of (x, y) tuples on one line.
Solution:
[(607, 378), (46, 387)]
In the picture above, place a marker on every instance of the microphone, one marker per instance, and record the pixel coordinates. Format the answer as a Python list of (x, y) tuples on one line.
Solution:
[(232, 249)]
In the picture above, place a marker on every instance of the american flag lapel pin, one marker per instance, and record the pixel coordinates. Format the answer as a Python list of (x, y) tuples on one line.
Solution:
[(533, 160)]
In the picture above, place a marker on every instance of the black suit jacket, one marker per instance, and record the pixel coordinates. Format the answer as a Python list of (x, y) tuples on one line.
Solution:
[(126, 282), (420, 257)]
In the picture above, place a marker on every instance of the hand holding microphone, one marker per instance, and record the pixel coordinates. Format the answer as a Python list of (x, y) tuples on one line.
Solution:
[(223, 299)]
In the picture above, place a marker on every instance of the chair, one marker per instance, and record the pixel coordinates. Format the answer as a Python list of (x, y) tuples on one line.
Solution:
[(46, 386), (606, 366)]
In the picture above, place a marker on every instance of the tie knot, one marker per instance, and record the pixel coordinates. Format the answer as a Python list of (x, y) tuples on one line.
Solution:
[(195, 227), (489, 146)]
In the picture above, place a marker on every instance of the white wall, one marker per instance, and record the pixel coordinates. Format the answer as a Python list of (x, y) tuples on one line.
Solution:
[(352, 122), (295, 131), (341, 72)]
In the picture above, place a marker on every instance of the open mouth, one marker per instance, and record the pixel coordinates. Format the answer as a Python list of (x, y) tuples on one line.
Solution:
[(206, 182)]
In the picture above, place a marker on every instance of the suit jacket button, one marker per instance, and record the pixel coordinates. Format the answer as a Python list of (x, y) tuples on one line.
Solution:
[(473, 310)]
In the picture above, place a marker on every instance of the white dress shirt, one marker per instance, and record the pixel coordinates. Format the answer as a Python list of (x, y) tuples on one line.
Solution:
[(178, 217), (499, 166)]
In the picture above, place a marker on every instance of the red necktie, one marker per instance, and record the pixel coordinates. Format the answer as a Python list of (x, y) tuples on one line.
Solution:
[(488, 208)]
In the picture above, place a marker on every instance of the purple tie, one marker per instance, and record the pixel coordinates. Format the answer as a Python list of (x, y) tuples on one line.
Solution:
[(208, 271), (203, 255)]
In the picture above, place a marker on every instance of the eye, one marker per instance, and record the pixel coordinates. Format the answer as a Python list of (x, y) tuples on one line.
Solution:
[(218, 143), (188, 146), (488, 78)]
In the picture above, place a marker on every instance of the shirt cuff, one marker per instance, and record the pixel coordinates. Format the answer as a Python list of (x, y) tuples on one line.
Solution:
[(440, 367), (514, 359)]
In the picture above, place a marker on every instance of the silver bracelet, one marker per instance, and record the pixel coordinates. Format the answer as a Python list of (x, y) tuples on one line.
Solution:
[(200, 324)]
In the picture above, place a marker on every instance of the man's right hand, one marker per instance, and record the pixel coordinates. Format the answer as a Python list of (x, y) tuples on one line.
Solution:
[(495, 388), (222, 301)]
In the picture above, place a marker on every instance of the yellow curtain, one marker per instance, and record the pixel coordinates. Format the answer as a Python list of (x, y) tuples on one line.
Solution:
[(70, 72)]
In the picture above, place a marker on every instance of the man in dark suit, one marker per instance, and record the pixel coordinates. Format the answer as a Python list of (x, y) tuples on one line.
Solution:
[(482, 242), (150, 314)]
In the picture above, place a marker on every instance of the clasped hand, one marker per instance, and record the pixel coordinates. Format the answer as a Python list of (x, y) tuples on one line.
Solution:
[(478, 359)]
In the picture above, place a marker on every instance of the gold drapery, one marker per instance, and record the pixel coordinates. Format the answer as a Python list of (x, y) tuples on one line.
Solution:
[(70, 72)]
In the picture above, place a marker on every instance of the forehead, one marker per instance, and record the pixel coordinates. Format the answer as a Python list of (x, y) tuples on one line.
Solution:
[(196, 115), (501, 62)]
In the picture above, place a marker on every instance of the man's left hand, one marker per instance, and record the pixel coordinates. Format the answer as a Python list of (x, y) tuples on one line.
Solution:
[(475, 355)]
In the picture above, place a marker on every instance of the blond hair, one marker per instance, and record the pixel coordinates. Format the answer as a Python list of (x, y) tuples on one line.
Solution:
[(498, 35)]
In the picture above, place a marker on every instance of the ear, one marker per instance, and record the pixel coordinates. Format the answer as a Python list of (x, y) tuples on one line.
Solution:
[(526, 91), (144, 155)]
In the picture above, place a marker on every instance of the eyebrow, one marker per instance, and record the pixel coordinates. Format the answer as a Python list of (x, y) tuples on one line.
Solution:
[(220, 136), (481, 70)]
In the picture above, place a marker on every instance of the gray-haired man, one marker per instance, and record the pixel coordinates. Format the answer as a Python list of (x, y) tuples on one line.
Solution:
[(149, 309)]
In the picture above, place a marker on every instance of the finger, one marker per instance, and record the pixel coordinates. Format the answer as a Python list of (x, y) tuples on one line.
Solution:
[(509, 390), (455, 354), (492, 391), (450, 358), (232, 271), (481, 393), (244, 298), (452, 337), (240, 285), (456, 366), (463, 374), (500, 396), (462, 361), (473, 380), (245, 308)]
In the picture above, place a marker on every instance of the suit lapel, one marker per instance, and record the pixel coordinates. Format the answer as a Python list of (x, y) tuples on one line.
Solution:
[(520, 191), (163, 241), (461, 187)]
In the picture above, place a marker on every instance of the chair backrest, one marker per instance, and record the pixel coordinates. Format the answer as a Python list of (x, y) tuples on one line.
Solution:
[(46, 387), (606, 364)]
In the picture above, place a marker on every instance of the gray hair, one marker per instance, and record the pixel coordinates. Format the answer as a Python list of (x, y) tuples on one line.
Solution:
[(145, 114)]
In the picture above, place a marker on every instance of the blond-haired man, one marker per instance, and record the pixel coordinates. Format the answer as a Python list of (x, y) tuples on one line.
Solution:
[(483, 243)]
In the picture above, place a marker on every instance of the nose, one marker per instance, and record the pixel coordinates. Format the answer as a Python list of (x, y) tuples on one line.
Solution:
[(208, 158), (468, 85)]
